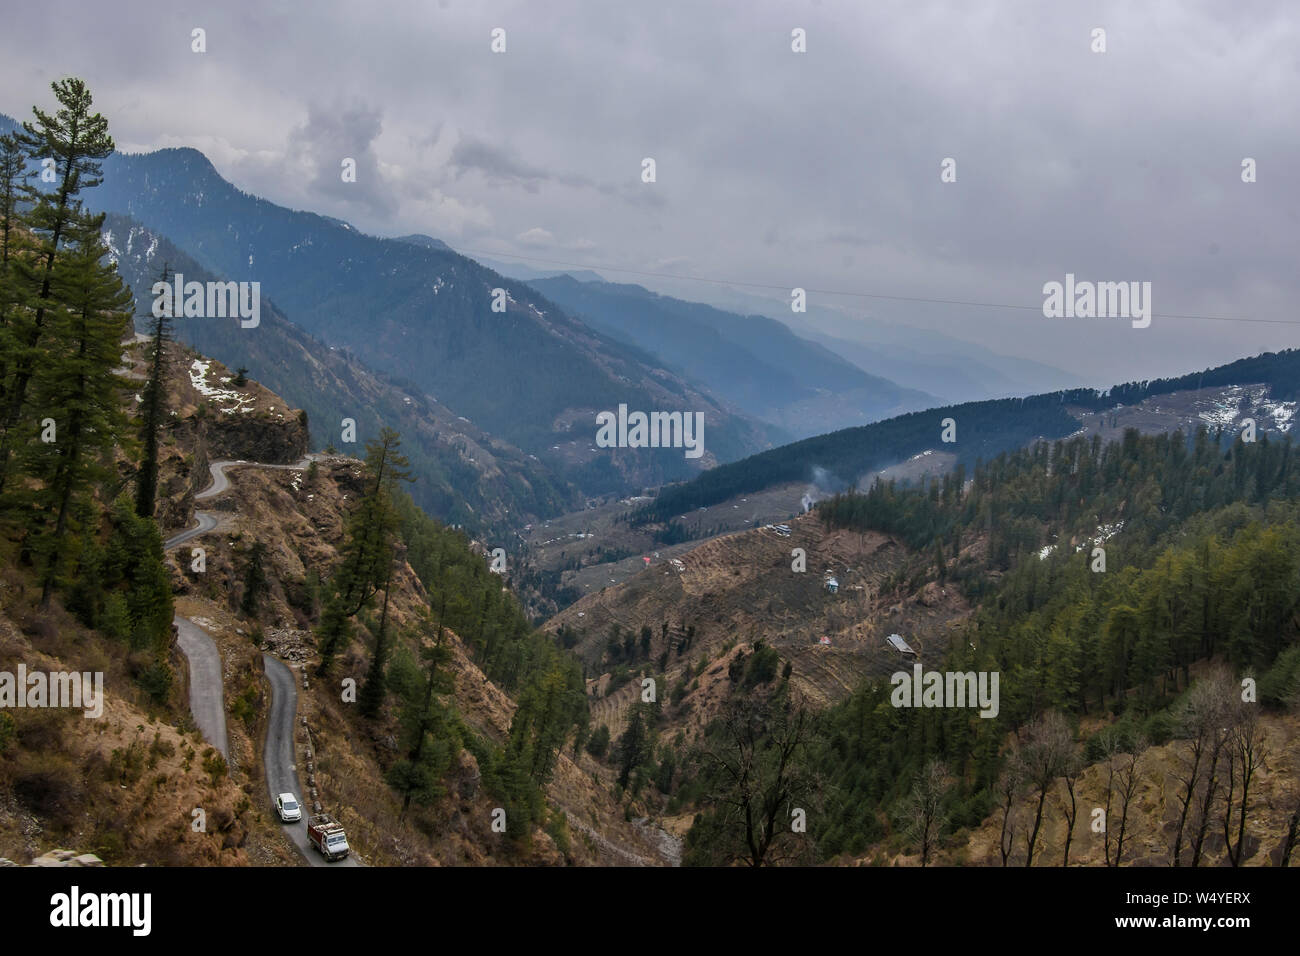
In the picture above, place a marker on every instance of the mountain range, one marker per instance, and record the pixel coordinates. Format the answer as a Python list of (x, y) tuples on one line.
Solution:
[(752, 361)]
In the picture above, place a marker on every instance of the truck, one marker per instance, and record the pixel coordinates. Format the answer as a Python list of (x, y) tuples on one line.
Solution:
[(326, 834)]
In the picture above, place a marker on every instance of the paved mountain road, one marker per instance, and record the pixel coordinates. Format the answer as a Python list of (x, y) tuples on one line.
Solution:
[(207, 691), (207, 694), (207, 522), (279, 757)]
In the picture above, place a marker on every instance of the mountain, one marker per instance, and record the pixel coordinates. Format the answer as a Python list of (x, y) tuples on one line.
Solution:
[(752, 361), (1105, 583), (958, 369), (947, 366), (979, 430), (112, 786), (410, 309), (462, 476), (423, 241), (514, 270)]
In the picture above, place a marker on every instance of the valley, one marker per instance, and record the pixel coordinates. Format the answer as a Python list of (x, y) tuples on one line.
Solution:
[(526, 569)]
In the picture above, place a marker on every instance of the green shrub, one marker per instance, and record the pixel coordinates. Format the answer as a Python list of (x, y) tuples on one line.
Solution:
[(1280, 683), (214, 765), (598, 745), (762, 667)]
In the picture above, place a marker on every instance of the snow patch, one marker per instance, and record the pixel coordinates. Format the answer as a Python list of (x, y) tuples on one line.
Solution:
[(199, 379), (1104, 533)]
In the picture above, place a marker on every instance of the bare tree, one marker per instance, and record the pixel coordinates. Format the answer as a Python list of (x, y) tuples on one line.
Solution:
[(1246, 754), (760, 758), (1009, 787), (1128, 781), (1070, 806), (1048, 747), (1202, 722), (925, 814), (1225, 693), (1112, 746)]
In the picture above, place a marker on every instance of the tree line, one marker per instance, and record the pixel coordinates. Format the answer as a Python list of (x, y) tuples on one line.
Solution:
[(68, 447), (982, 430), (1205, 568), (410, 668)]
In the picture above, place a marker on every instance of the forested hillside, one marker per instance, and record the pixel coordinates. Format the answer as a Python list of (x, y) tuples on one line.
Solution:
[(460, 709), (981, 430), (1108, 579)]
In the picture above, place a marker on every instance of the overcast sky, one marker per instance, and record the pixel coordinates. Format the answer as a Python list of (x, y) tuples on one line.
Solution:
[(819, 169)]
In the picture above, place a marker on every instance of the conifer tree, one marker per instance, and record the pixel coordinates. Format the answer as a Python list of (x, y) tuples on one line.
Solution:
[(631, 746), (71, 142), (13, 179), (375, 687), (255, 582), (368, 545), (152, 411), (75, 388), (427, 724)]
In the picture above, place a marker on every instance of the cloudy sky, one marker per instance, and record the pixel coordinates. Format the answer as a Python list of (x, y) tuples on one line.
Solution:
[(774, 168)]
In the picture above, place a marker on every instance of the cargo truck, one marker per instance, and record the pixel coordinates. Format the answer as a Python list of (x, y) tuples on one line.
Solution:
[(326, 834)]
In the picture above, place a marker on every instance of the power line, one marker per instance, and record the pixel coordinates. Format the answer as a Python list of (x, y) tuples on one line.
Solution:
[(846, 292)]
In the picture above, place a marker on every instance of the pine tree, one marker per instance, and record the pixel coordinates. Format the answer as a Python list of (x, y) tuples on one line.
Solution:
[(375, 687), (152, 411), (428, 725), (13, 180), (631, 746), (368, 545), (75, 141), (255, 582), (75, 386)]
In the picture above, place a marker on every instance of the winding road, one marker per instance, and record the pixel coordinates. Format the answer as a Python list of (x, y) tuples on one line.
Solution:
[(207, 692)]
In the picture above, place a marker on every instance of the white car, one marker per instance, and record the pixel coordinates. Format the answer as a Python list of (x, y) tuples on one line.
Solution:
[(286, 804)]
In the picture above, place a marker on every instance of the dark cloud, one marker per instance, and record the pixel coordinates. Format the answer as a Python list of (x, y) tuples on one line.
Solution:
[(819, 169), (495, 164), (328, 138)]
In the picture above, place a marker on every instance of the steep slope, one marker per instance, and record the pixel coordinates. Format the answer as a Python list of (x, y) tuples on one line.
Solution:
[(883, 344), (530, 374), (755, 362), (295, 517), (463, 476), (734, 590), (298, 517), (1152, 813), (1127, 590)]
